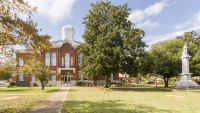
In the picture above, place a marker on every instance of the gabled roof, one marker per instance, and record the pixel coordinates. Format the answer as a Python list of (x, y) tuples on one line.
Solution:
[(59, 43)]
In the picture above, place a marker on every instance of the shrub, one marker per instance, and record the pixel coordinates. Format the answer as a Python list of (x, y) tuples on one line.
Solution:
[(8, 86), (50, 85), (12, 84), (79, 83), (172, 82), (160, 83), (83, 83)]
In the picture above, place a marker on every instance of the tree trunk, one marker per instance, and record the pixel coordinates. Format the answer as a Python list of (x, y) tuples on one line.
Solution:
[(166, 82), (140, 80), (156, 82), (106, 81), (42, 85)]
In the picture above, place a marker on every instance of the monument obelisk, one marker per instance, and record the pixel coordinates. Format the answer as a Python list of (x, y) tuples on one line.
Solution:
[(185, 76)]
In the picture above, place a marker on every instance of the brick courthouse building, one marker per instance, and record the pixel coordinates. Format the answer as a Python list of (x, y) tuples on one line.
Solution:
[(63, 58)]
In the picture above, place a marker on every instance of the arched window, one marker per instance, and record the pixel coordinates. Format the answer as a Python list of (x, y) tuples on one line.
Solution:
[(79, 58), (21, 62), (66, 60), (53, 78), (33, 78), (71, 61), (47, 59), (21, 77), (53, 59)]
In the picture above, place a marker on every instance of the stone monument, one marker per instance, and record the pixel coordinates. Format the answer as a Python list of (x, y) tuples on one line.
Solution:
[(185, 76)]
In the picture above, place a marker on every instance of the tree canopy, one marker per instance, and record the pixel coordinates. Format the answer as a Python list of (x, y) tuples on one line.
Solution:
[(15, 31), (167, 55), (36, 67), (111, 41)]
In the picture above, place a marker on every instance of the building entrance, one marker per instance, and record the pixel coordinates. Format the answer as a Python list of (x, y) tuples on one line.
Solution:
[(67, 77)]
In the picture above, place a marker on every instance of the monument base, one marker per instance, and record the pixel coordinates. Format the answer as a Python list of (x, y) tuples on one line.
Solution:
[(185, 87), (186, 82)]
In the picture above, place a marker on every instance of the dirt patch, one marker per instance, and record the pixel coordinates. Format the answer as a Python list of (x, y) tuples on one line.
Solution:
[(8, 98), (175, 96)]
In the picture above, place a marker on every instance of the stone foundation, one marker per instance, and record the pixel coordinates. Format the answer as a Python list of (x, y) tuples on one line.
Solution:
[(185, 87), (185, 82), (53, 83)]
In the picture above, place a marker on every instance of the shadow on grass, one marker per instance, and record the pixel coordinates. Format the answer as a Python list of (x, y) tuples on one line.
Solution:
[(114, 106), (142, 88), (15, 90), (51, 90)]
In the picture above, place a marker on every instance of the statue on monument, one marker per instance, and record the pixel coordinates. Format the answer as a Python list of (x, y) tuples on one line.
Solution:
[(185, 77), (184, 49)]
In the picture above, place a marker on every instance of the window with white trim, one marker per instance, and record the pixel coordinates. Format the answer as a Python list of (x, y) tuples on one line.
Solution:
[(21, 62), (79, 58), (86, 78), (62, 61), (54, 78), (66, 60), (47, 59), (71, 61), (21, 77), (53, 59), (111, 77), (33, 78), (80, 77)]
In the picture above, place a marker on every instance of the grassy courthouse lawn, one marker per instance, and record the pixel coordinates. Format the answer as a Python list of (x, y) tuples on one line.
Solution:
[(140, 99), (31, 97), (27, 90)]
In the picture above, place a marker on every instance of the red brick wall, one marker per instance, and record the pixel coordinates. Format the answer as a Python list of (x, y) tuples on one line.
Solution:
[(60, 52)]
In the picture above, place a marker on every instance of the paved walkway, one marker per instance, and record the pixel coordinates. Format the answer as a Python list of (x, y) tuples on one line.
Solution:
[(53, 104)]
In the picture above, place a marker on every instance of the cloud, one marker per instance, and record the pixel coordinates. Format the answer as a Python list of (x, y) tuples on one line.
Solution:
[(194, 25), (147, 23), (182, 25), (155, 9), (53, 10)]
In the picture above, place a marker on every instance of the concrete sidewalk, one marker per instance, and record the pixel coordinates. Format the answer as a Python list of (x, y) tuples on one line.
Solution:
[(53, 104)]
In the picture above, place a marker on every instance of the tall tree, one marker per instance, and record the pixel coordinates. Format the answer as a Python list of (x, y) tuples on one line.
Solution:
[(15, 31), (111, 40), (36, 67), (192, 39), (167, 57)]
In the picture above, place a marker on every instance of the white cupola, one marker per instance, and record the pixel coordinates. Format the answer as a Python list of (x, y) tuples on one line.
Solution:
[(68, 32)]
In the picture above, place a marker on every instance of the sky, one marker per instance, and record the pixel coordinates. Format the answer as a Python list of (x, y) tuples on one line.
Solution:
[(160, 19)]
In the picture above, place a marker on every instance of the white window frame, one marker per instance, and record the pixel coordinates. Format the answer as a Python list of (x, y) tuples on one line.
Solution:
[(71, 61), (79, 58), (62, 61), (33, 78), (81, 76), (67, 63), (53, 59), (21, 62), (53, 78), (47, 59), (111, 77), (85, 78), (21, 77)]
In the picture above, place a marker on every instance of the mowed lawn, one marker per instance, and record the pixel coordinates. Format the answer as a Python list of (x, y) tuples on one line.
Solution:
[(137, 99), (27, 90), (23, 99)]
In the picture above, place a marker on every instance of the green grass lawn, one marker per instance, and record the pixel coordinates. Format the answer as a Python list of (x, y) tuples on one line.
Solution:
[(137, 99), (26, 90), (21, 104)]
